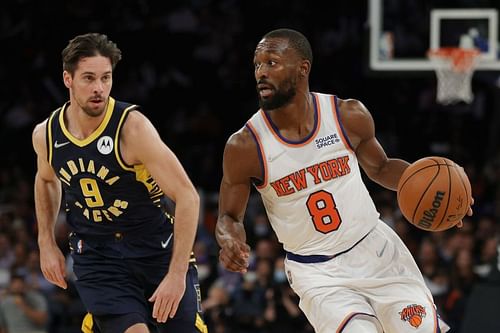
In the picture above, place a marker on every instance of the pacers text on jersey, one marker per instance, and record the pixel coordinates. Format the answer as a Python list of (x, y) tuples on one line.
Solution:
[(93, 208)]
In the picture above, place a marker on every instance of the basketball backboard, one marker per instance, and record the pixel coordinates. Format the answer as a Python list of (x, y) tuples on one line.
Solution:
[(402, 32)]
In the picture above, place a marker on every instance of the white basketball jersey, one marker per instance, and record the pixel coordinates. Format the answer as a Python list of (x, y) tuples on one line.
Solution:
[(312, 190)]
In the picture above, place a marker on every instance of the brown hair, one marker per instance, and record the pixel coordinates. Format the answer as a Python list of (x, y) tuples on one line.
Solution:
[(88, 45)]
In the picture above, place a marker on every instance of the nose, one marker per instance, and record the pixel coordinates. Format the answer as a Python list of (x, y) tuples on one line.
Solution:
[(98, 87), (261, 71)]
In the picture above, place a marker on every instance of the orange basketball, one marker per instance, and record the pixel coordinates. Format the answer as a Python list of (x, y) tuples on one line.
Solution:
[(434, 193)]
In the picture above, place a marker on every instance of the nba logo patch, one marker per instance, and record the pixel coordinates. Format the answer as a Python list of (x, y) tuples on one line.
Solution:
[(79, 247), (413, 314)]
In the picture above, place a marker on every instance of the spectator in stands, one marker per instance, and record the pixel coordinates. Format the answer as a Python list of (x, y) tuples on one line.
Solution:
[(22, 310)]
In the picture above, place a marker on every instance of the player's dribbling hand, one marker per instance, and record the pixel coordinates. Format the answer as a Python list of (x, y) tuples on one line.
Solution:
[(460, 223), (234, 256)]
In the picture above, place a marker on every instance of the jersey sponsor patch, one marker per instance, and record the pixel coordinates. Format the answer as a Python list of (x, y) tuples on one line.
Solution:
[(105, 145), (413, 314), (327, 141)]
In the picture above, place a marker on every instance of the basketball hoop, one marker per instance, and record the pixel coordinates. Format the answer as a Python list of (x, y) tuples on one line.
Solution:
[(454, 68)]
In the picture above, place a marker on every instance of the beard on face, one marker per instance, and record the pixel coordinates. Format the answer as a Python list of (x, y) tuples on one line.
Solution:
[(91, 112), (85, 105), (282, 95)]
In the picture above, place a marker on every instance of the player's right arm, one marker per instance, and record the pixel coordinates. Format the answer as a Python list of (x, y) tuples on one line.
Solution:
[(240, 164), (47, 203)]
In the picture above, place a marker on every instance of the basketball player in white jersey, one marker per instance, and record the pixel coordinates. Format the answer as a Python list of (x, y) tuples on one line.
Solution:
[(301, 151)]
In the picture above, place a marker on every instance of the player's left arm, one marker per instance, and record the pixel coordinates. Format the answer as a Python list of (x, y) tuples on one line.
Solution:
[(141, 144), (360, 128)]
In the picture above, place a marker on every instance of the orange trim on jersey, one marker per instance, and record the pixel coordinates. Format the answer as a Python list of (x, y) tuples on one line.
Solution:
[(301, 144), (436, 320), (336, 114), (344, 322), (263, 156), (81, 143), (118, 155)]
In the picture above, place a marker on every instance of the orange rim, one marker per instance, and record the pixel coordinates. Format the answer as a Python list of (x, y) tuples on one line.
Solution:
[(461, 59)]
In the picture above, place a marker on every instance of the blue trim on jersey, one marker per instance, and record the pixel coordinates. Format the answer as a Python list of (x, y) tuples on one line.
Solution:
[(315, 258), (341, 328), (310, 259), (277, 131), (340, 123), (256, 181)]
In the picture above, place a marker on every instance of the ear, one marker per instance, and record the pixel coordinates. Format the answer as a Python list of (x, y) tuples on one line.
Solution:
[(305, 68), (67, 79)]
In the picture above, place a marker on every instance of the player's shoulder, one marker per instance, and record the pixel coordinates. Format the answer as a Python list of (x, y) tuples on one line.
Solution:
[(40, 129), (241, 139), (241, 144), (241, 157), (353, 110), (352, 106), (356, 119), (38, 135), (136, 123), (136, 116)]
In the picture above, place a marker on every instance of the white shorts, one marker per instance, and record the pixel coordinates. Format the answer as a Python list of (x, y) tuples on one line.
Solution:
[(377, 278)]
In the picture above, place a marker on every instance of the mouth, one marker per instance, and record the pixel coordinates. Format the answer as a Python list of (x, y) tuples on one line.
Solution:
[(96, 100), (264, 90)]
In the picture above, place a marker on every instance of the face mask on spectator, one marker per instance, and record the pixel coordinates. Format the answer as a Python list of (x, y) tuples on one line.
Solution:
[(279, 276), (261, 230), (203, 271)]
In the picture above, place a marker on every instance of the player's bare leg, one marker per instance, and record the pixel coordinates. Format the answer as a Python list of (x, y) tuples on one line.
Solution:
[(137, 328)]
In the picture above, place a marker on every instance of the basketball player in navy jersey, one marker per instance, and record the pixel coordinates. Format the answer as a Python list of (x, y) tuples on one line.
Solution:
[(133, 263), (301, 151)]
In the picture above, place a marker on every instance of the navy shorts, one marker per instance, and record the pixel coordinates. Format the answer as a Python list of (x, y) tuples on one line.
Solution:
[(117, 277)]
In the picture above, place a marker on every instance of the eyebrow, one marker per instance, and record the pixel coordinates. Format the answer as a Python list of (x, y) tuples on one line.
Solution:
[(92, 73)]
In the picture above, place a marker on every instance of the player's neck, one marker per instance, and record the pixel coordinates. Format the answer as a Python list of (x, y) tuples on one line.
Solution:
[(296, 119), (79, 123)]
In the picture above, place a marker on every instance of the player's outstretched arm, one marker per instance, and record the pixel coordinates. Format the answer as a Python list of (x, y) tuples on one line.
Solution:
[(141, 144), (240, 164), (47, 203), (360, 129)]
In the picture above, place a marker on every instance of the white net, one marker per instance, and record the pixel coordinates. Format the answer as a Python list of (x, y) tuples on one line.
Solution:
[(454, 70)]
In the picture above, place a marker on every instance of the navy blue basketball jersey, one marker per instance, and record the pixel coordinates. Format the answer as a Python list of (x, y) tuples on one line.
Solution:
[(103, 194)]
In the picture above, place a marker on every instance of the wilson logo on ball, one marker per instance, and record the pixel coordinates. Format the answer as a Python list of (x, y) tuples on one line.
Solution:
[(430, 214)]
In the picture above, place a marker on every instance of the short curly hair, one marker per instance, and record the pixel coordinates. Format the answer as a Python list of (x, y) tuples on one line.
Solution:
[(296, 40)]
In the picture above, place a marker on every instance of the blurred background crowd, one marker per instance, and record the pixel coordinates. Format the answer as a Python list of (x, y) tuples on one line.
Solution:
[(189, 65)]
